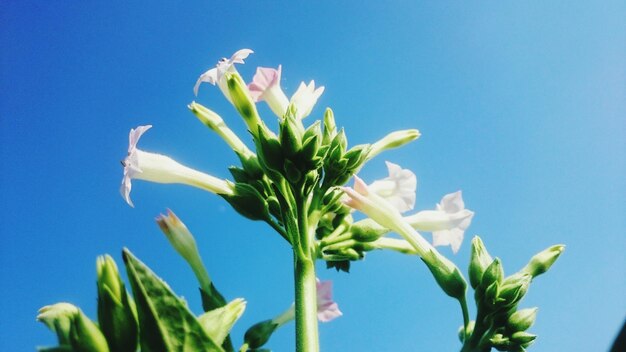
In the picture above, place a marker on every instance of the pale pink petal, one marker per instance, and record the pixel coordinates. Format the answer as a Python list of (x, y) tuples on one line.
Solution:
[(209, 76), (398, 189), (240, 55), (327, 309), (452, 203), (264, 79), (224, 65)]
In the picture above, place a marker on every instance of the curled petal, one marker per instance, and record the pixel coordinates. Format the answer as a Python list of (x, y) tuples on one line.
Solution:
[(398, 189), (305, 98), (214, 76)]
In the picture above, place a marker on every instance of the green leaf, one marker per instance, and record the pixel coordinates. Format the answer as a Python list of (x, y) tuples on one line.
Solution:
[(217, 323), (166, 323)]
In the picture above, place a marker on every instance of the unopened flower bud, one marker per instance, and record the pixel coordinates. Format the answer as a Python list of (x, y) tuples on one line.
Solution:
[(116, 315), (479, 261), (85, 335), (522, 337), (393, 140), (367, 230), (513, 289), (522, 319), (330, 128), (493, 273), (258, 334), (499, 341), (243, 101), (447, 275), (542, 261)]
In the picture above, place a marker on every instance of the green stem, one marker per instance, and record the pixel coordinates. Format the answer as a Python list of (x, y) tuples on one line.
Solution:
[(463, 302), (306, 305)]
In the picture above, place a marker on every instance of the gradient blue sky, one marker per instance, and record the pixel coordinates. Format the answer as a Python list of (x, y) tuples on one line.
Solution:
[(521, 105)]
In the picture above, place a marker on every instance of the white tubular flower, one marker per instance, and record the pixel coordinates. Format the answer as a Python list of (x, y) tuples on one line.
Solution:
[(447, 223), (265, 85), (305, 98), (216, 74), (162, 169), (398, 189)]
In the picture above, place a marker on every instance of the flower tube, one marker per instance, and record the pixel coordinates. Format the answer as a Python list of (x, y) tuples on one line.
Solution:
[(163, 169), (265, 86)]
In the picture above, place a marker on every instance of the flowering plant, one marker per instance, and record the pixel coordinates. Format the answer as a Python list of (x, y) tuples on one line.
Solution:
[(294, 179)]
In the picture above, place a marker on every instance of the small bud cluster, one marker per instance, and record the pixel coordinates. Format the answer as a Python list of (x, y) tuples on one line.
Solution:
[(499, 323)]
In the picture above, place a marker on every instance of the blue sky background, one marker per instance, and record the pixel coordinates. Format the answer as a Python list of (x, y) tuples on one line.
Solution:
[(521, 105)]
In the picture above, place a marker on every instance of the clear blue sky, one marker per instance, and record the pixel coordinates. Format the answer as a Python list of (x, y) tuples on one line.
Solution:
[(521, 105)]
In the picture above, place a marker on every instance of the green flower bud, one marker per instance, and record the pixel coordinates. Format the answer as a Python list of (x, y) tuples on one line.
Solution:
[(500, 342), (542, 261), (259, 333), (85, 335), (248, 202), (513, 289), (523, 338), (116, 316), (393, 140), (447, 275), (522, 319), (243, 101), (493, 273), (367, 230), (290, 136), (330, 128), (479, 261)]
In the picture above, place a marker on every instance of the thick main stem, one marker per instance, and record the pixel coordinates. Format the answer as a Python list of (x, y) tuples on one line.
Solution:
[(306, 305)]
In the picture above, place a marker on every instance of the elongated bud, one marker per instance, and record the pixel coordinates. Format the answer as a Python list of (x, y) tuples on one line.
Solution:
[(258, 334), (85, 335), (542, 261), (185, 244), (393, 140), (447, 275), (116, 314), (249, 202), (243, 101), (479, 261), (522, 319), (330, 128), (290, 136), (215, 123)]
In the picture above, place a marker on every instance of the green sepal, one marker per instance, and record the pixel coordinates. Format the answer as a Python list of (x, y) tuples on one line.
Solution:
[(290, 137), (166, 322), (211, 300), (339, 265), (248, 202), (258, 334), (291, 172), (447, 275), (330, 128), (85, 336), (218, 322)]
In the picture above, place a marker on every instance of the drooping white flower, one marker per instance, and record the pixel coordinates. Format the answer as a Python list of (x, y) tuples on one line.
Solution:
[(163, 169), (216, 74), (447, 222), (265, 85), (398, 189), (305, 98)]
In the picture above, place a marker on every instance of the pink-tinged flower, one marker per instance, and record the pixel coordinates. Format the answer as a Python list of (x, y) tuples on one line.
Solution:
[(216, 74), (327, 309), (384, 213), (305, 98), (398, 189), (162, 169), (266, 86), (447, 223)]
